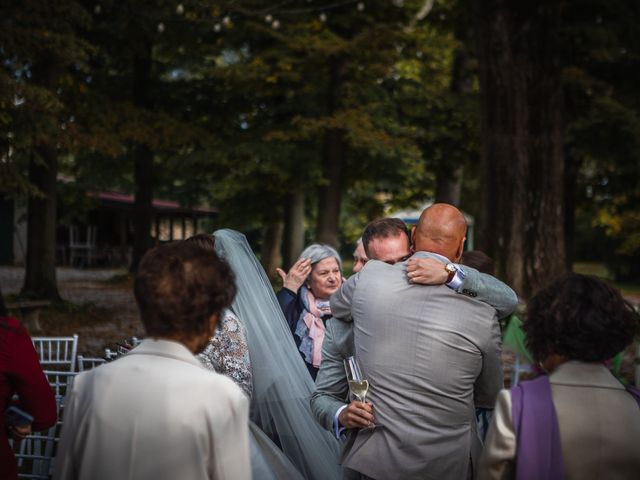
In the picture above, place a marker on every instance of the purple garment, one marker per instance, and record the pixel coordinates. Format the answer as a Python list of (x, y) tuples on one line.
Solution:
[(539, 452)]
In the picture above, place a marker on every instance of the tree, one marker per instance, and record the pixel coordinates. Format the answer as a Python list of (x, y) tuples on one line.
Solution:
[(602, 178), (40, 45), (522, 216)]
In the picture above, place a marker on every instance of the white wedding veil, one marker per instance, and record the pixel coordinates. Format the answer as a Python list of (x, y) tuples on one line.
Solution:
[(282, 386)]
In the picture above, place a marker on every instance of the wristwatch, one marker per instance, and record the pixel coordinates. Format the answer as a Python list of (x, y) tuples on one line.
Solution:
[(451, 269)]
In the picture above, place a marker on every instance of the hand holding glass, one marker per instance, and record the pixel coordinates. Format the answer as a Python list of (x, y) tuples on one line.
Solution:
[(358, 386)]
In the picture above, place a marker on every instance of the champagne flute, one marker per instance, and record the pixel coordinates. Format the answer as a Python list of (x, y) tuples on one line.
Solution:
[(358, 385)]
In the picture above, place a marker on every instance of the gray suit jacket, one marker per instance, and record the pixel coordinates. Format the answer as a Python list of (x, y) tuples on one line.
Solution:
[(428, 356), (332, 390)]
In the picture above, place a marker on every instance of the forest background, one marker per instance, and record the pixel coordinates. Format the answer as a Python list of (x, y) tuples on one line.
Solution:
[(303, 120)]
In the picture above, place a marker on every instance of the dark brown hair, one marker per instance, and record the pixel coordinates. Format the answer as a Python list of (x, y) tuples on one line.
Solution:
[(204, 240), (179, 286), (383, 228), (478, 260), (580, 317)]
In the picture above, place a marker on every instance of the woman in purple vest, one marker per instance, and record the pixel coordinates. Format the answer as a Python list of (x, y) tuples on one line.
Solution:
[(579, 421)]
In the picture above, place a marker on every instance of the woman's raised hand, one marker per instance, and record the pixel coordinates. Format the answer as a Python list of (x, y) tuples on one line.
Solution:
[(297, 274)]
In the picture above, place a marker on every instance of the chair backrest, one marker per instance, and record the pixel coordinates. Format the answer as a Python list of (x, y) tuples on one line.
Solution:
[(87, 363), (89, 239), (35, 454), (57, 352)]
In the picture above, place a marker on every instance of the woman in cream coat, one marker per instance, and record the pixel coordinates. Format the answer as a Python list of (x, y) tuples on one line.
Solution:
[(579, 422)]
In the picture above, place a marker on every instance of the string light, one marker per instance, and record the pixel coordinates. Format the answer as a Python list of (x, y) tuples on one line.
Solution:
[(268, 18), (97, 9), (276, 24), (226, 21), (180, 9), (360, 6), (323, 17), (217, 27), (160, 27)]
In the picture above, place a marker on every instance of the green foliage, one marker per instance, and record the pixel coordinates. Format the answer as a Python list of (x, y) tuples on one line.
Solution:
[(603, 126)]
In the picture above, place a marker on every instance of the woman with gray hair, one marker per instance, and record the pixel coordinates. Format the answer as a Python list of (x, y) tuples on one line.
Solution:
[(304, 299)]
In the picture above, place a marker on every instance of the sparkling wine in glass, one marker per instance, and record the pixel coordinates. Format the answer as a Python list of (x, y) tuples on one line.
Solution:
[(358, 385)]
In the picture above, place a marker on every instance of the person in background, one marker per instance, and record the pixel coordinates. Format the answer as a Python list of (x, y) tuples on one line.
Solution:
[(304, 299), (359, 257), (157, 413), (579, 421), (227, 353), (21, 375)]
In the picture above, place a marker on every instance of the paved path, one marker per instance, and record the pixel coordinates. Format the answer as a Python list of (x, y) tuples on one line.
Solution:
[(110, 314)]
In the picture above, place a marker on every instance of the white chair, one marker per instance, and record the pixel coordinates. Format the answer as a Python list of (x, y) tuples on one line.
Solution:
[(58, 353), (82, 249), (87, 363), (36, 452)]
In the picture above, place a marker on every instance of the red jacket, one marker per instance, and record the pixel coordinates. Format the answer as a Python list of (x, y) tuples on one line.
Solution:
[(21, 374)]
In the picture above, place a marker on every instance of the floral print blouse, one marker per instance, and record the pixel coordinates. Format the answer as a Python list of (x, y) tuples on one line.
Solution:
[(228, 354)]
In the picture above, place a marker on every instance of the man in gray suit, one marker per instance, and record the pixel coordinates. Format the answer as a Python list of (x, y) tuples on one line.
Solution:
[(430, 356), (387, 241)]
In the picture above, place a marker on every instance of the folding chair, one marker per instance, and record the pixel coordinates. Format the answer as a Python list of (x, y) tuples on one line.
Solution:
[(36, 452), (87, 363), (57, 352)]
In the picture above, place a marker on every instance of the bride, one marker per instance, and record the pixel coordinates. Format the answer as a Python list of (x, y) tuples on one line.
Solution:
[(282, 386)]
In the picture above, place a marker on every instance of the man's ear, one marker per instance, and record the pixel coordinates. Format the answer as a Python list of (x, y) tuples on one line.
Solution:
[(460, 250)]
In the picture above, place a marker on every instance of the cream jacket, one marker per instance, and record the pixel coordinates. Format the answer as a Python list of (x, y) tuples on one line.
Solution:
[(599, 425), (154, 414)]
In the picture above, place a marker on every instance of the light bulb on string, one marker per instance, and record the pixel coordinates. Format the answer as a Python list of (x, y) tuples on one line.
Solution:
[(180, 9), (217, 27), (323, 17), (276, 24), (97, 9), (360, 6), (160, 27), (268, 18), (226, 21)]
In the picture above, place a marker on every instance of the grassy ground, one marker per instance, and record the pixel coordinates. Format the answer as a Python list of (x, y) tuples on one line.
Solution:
[(600, 270)]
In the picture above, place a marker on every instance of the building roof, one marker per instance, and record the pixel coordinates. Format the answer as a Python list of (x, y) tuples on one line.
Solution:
[(114, 199)]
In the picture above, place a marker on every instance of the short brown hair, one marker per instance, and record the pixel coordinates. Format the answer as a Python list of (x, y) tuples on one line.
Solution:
[(179, 286), (478, 260), (383, 228)]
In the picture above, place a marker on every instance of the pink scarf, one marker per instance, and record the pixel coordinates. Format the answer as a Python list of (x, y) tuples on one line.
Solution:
[(313, 321)]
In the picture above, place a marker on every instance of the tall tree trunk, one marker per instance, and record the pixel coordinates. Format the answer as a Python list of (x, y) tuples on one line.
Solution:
[(570, 179), (329, 195), (270, 251), (143, 162), (293, 241), (449, 180), (40, 275), (449, 186), (522, 213)]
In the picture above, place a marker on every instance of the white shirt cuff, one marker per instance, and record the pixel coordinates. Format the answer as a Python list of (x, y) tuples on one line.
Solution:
[(457, 279), (337, 429)]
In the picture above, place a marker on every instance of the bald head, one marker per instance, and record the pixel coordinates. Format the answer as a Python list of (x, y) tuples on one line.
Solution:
[(442, 230)]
